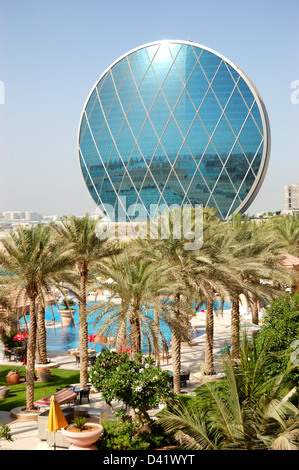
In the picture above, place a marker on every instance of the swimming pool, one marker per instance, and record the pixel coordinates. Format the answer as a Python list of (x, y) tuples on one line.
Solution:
[(62, 339)]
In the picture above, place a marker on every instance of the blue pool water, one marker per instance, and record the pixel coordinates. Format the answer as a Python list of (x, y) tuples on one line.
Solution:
[(62, 339)]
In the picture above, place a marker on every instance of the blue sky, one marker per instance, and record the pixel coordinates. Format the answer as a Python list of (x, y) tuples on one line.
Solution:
[(53, 51)]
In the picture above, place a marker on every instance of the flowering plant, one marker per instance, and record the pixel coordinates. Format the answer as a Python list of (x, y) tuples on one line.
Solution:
[(136, 382)]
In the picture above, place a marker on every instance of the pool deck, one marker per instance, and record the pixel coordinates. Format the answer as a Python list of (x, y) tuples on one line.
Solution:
[(25, 432)]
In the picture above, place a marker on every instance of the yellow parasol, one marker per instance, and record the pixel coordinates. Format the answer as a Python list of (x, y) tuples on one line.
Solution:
[(56, 418)]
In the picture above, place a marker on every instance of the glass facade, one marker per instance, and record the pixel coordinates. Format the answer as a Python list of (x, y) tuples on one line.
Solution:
[(173, 123)]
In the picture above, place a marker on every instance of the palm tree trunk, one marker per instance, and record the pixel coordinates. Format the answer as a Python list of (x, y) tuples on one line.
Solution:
[(254, 309), (156, 332), (135, 331), (209, 339), (121, 338), (235, 327), (41, 335), (83, 328), (176, 349), (30, 375)]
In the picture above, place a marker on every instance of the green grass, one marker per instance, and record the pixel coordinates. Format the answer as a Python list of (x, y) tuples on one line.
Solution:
[(17, 395)]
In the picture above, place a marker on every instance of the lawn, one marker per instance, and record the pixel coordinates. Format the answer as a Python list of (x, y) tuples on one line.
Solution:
[(17, 395)]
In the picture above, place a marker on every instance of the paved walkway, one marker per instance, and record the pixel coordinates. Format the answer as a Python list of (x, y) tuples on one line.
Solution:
[(25, 432)]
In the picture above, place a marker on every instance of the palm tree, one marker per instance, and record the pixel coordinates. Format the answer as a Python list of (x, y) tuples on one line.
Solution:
[(246, 411), (252, 255), (32, 263), (88, 249), (140, 283), (169, 244), (287, 228)]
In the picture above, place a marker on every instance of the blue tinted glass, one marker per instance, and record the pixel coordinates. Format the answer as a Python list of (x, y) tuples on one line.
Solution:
[(151, 51), (210, 112), (246, 93), (185, 168), (197, 51), (139, 65), (246, 187), (127, 91), (223, 84), (257, 160), (250, 137), (136, 116), (125, 142), (197, 139), (237, 166), (236, 111), (197, 86), (198, 192), (82, 126), (257, 117), (210, 166), (210, 64), (234, 206), (224, 193), (185, 62), (91, 101), (162, 62), (233, 73), (96, 120), (174, 49), (149, 89), (223, 138), (147, 140), (172, 140), (149, 193), (108, 194), (87, 146), (118, 71), (172, 87), (160, 114), (105, 144), (184, 113), (107, 93), (115, 118)]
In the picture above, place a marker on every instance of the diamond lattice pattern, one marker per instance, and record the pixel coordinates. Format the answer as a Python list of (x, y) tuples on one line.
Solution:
[(168, 124)]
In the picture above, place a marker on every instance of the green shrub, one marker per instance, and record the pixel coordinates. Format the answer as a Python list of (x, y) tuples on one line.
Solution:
[(125, 435), (138, 384), (279, 332)]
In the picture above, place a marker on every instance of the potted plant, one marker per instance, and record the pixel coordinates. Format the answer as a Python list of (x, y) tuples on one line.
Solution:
[(66, 311), (82, 434)]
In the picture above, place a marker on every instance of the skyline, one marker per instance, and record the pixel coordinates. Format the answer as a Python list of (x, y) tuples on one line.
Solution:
[(53, 54)]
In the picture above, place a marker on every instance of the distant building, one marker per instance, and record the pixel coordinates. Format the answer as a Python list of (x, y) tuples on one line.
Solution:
[(33, 216), (13, 215), (291, 199)]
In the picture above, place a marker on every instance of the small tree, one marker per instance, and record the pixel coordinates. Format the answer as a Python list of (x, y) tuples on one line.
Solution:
[(138, 383)]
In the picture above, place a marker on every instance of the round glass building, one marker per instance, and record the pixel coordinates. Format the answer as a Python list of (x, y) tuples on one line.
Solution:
[(173, 123)]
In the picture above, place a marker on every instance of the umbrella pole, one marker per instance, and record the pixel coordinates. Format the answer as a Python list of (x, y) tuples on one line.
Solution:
[(54, 440)]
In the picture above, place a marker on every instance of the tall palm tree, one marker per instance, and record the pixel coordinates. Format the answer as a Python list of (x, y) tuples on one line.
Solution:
[(252, 255), (32, 262), (140, 283), (87, 249), (287, 228)]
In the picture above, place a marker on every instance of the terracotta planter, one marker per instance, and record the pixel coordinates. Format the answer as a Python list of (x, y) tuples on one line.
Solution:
[(13, 377), (83, 440)]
